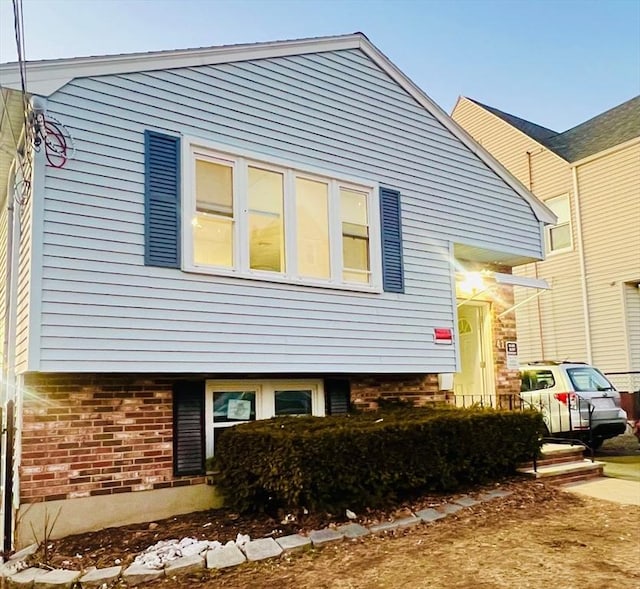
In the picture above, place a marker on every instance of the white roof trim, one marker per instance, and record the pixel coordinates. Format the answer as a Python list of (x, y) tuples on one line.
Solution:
[(45, 77), (606, 152), (521, 281), (540, 210)]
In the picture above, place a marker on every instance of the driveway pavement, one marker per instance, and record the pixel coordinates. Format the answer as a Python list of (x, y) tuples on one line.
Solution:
[(621, 483), (609, 489)]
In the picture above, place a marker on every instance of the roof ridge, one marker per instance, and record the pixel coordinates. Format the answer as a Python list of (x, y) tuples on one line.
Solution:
[(603, 131), (612, 127), (48, 77), (534, 130), (595, 118), (201, 49)]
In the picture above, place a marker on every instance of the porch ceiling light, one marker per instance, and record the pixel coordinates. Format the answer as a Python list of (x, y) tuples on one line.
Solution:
[(471, 283)]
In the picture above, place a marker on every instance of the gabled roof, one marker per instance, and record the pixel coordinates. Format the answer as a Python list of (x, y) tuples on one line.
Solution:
[(606, 130), (45, 77), (611, 128), (534, 131)]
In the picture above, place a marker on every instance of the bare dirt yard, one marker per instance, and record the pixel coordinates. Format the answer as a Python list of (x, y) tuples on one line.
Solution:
[(536, 537)]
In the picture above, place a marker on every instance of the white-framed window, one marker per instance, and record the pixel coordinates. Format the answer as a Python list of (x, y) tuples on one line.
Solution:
[(230, 402), (559, 238), (255, 217)]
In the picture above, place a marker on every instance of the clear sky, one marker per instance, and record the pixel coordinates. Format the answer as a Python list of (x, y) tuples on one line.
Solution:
[(554, 62)]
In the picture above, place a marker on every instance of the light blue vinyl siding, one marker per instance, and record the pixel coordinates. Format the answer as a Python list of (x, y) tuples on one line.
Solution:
[(102, 309)]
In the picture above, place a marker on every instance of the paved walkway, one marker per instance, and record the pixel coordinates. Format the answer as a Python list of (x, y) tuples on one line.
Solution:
[(609, 489)]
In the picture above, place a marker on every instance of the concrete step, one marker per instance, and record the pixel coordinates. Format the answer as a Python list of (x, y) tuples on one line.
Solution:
[(557, 454), (566, 472)]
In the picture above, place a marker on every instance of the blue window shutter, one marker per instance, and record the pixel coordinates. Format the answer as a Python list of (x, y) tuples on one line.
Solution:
[(391, 225), (162, 200)]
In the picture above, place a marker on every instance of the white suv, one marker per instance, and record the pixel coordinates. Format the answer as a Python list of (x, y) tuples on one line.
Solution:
[(576, 400)]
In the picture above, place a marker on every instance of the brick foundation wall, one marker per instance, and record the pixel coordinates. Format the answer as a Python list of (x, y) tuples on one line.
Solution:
[(85, 435), (102, 434), (419, 389)]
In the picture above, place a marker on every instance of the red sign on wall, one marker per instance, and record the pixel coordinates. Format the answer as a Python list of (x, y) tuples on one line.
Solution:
[(443, 335)]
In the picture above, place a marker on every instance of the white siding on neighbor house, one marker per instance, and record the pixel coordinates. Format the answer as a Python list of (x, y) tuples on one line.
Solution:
[(102, 309), (562, 329), (610, 200), (4, 214), (560, 335), (508, 145), (23, 292), (552, 326), (609, 195), (528, 319), (542, 171)]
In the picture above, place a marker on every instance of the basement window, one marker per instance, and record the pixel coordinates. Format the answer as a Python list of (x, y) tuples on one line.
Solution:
[(230, 402)]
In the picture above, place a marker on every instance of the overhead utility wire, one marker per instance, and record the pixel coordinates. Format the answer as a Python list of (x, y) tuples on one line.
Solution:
[(18, 25)]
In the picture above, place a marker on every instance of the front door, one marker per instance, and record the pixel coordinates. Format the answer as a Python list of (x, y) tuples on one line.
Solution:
[(475, 381)]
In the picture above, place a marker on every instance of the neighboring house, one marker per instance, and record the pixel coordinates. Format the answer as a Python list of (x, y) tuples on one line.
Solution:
[(590, 177), (216, 235)]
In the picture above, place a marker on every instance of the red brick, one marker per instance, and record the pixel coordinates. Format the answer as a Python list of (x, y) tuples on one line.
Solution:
[(72, 427), (100, 492), (123, 490), (163, 485), (46, 476)]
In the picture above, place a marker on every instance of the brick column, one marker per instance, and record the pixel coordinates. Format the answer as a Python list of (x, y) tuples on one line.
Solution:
[(504, 329)]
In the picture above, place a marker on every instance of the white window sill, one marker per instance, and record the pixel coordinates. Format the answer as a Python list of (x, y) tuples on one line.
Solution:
[(566, 250), (282, 279)]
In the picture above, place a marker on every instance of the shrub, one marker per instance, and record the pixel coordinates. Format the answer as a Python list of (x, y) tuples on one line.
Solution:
[(369, 459)]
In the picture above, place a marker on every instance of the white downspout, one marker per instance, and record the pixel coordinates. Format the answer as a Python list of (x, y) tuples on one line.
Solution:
[(583, 270)]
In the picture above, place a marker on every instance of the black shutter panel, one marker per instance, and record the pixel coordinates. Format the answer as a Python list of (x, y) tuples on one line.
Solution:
[(188, 428), (337, 394), (162, 200), (391, 225)]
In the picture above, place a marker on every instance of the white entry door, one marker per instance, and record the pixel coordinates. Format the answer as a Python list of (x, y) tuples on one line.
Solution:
[(475, 381)]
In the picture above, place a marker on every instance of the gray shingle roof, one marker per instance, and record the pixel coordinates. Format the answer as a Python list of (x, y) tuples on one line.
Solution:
[(534, 131), (606, 130)]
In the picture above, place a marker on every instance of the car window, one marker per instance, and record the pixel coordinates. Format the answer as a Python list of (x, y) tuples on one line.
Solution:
[(535, 380), (587, 378)]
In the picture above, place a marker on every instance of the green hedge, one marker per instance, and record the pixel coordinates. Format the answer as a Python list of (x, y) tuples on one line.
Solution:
[(370, 459)]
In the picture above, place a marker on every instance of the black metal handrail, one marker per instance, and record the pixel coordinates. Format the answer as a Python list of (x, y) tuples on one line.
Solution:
[(569, 418)]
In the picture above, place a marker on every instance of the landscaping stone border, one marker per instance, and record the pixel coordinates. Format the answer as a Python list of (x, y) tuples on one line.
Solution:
[(18, 574)]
